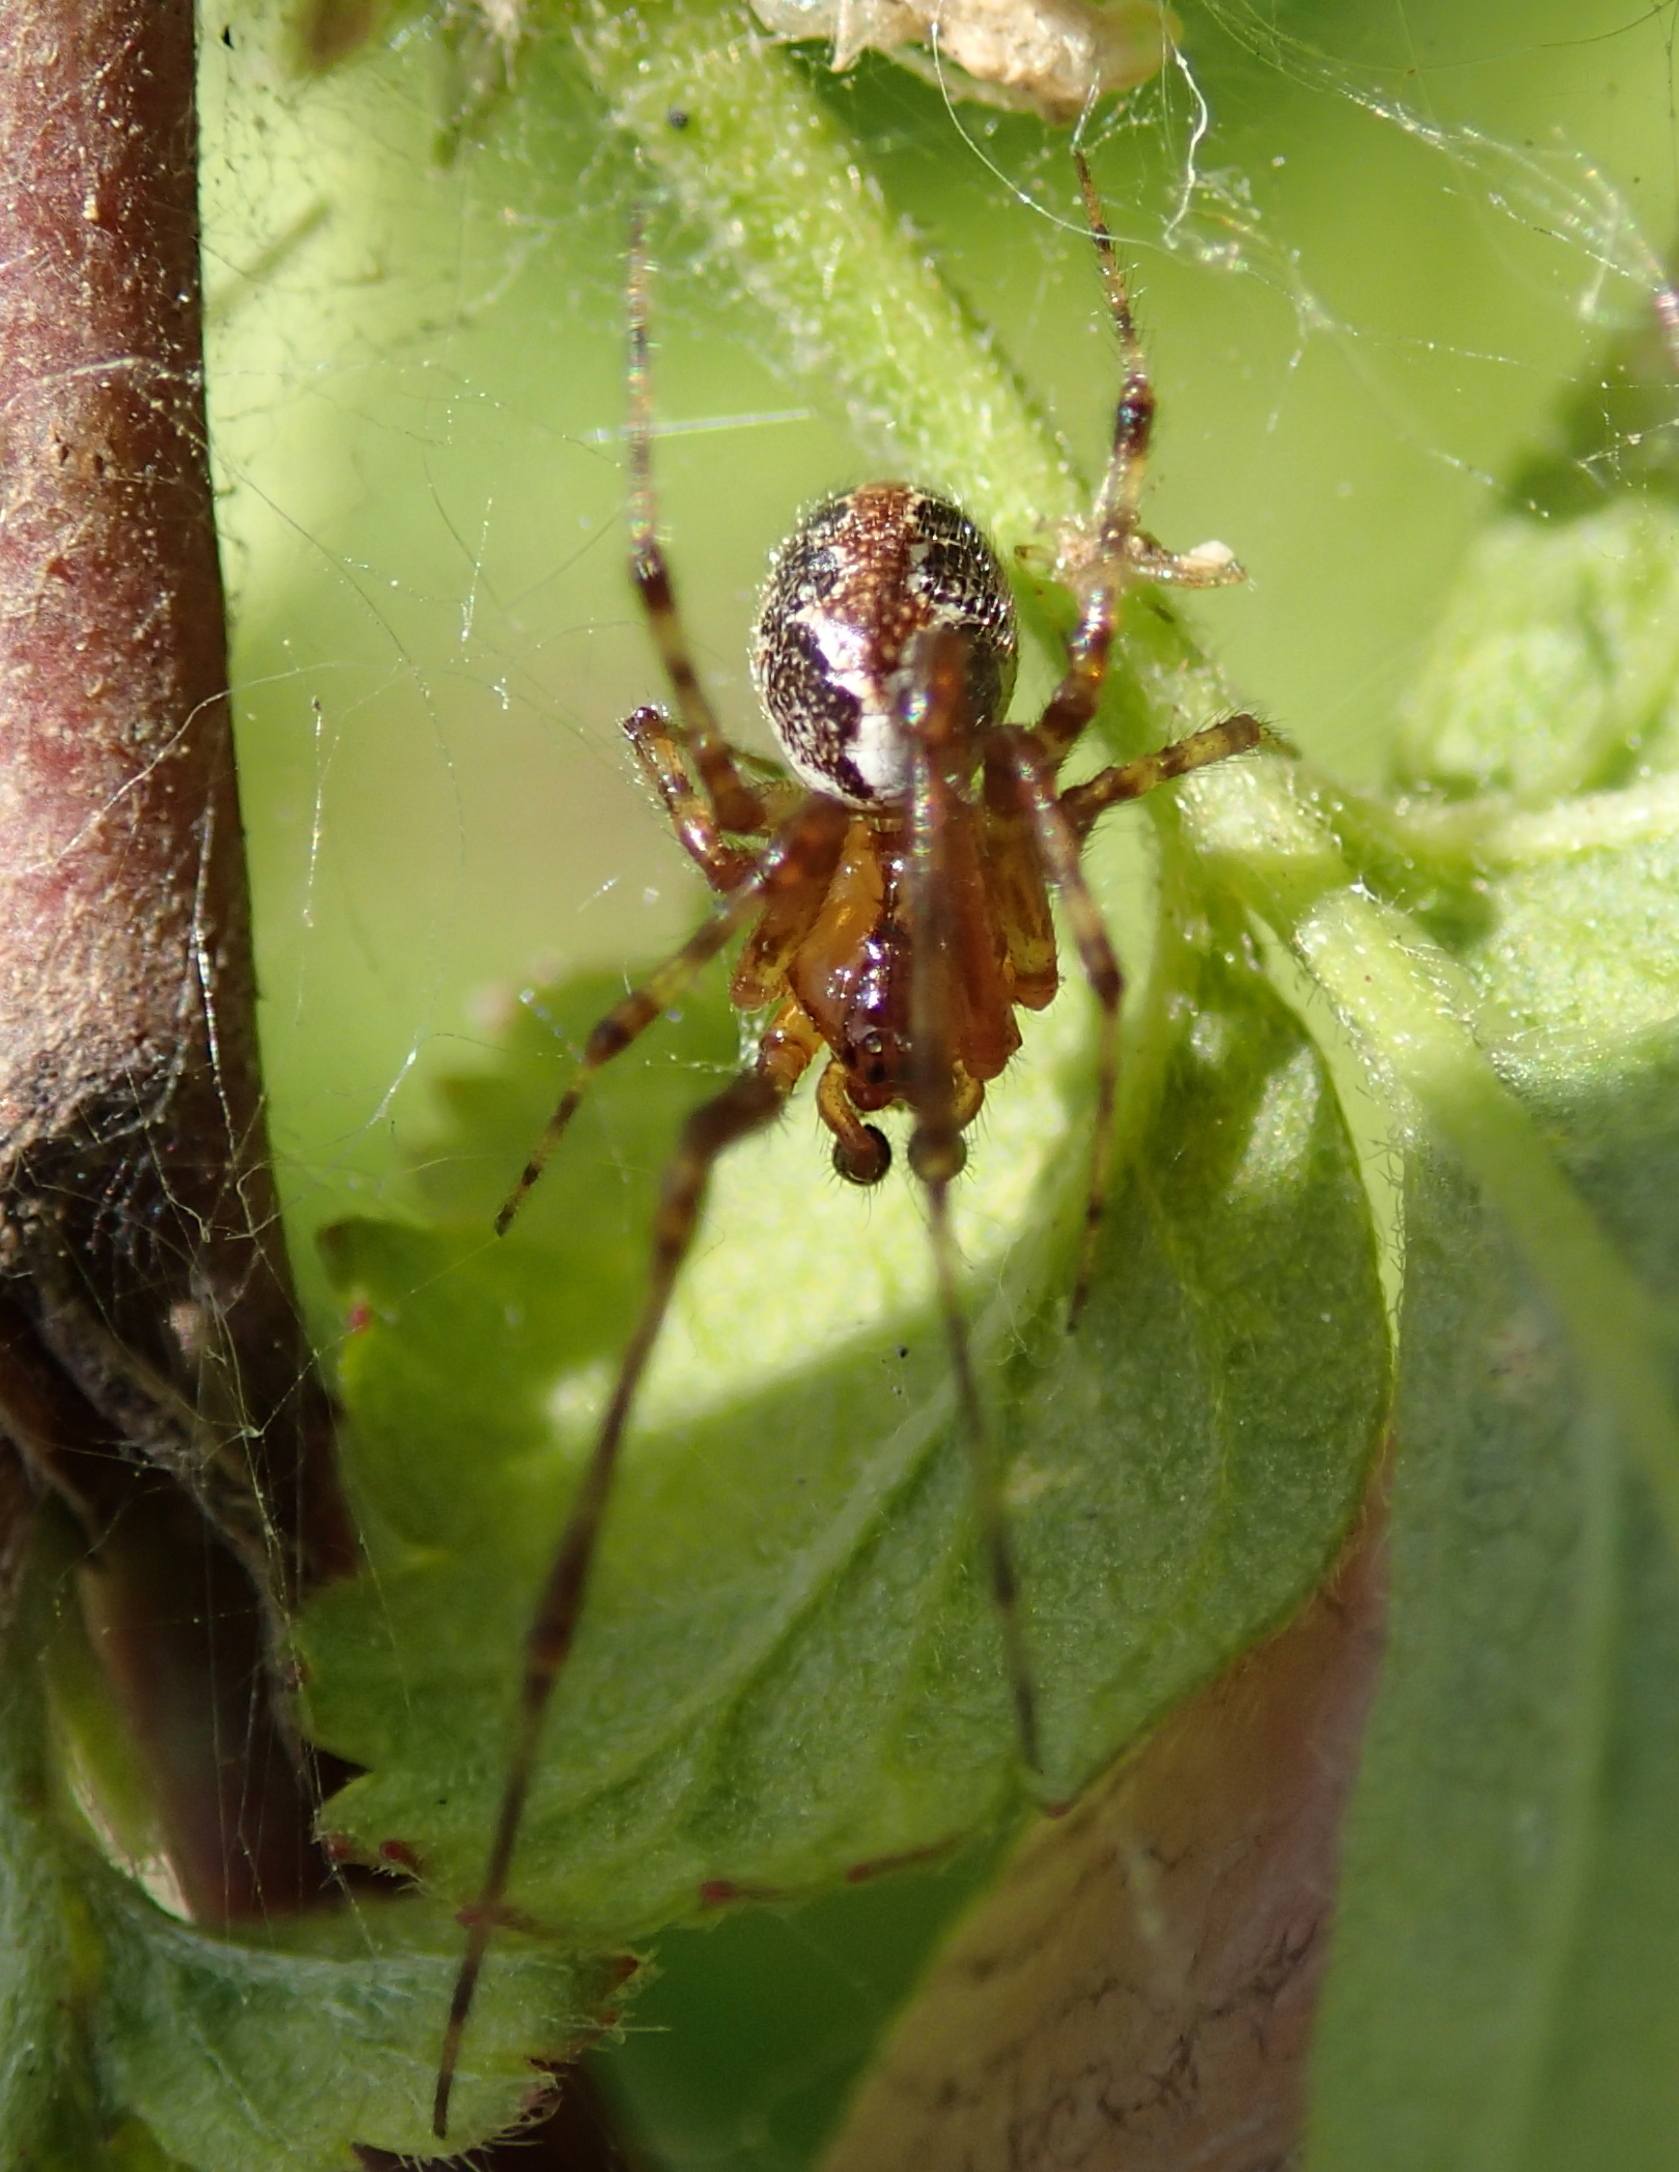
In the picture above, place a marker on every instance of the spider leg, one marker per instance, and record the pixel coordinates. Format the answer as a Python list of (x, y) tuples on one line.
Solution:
[(1012, 759), (1082, 803), (942, 1100), (803, 854), (1122, 486), (661, 757), (745, 1105), (1093, 557), (1098, 557), (737, 804)]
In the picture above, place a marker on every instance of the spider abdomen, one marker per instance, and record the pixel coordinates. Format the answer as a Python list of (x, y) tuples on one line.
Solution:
[(848, 593)]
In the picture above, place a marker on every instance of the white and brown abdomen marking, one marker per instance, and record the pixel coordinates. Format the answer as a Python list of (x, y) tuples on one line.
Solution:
[(848, 592)]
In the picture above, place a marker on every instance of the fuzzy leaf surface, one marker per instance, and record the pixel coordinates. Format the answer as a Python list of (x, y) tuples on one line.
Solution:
[(133, 2039), (1503, 1992), (790, 1667)]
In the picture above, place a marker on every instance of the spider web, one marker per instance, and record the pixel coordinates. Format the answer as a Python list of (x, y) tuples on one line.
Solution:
[(1373, 247), (1364, 268)]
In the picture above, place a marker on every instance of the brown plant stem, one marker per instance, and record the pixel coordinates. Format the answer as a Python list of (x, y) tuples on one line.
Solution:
[(152, 1369)]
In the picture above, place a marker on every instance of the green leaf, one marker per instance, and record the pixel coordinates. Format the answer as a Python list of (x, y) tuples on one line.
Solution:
[(1503, 1992), (792, 1534), (48, 2106), (1556, 667), (291, 2050)]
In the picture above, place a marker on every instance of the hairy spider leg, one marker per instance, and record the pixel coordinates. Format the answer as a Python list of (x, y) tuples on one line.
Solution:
[(802, 858), (1014, 760), (1097, 558), (1121, 493), (737, 805), (660, 755), (1093, 557), (1082, 803), (745, 1105), (943, 1099)]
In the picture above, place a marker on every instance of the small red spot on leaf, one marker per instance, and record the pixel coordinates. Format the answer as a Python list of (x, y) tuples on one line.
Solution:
[(880, 1865), (499, 1919), (718, 1892)]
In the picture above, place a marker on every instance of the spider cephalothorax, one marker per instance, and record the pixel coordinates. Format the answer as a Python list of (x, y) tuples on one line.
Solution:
[(896, 910)]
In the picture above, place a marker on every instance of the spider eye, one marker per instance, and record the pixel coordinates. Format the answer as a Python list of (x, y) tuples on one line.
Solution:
[(860, 1165)]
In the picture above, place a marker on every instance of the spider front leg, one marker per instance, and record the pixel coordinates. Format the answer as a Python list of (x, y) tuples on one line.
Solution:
[(1099, 556), (662, 760), (795, 867), (1082, 803), (944, 1099), (736, 805)]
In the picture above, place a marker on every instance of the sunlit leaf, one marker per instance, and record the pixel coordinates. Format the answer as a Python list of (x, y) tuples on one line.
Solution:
[(793, 1534)]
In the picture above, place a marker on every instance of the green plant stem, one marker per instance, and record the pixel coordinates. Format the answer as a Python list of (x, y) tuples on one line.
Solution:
[(852, 295), (1489, 836)]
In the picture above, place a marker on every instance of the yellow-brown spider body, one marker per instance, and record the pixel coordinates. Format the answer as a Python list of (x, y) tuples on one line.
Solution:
[(857, 599), (853, 976)]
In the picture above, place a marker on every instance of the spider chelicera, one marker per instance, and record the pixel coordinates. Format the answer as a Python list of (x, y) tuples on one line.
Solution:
[(898, 887)]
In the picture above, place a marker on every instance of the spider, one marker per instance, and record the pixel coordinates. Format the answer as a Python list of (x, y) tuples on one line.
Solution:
[(897, 888)]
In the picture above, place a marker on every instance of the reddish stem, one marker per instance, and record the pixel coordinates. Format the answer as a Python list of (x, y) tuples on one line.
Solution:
[(152, 1369)]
